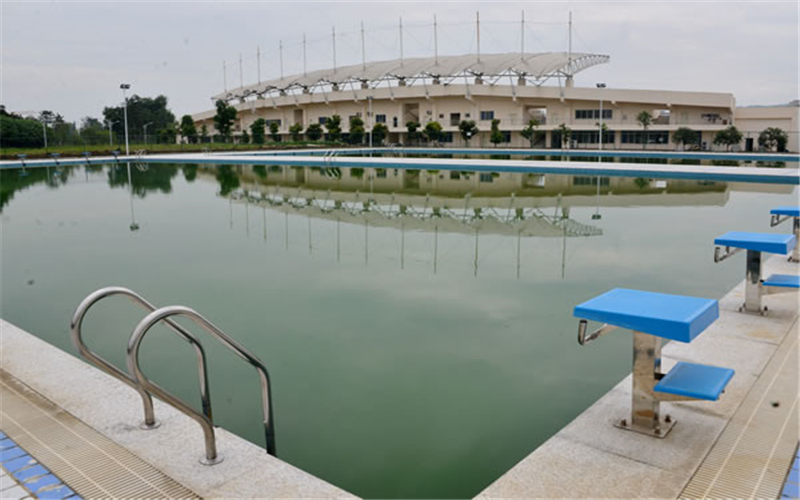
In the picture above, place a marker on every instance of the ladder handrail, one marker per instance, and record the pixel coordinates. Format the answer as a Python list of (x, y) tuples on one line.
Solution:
[(207, 424), (77, 340)]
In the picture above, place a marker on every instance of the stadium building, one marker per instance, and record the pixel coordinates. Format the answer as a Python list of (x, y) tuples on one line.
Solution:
[(511, 87)]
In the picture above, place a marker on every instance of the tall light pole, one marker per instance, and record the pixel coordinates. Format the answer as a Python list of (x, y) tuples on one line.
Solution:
[(145, 131), (601, 86), (44, 131), (124, 87), (371, 121), (109, 124)]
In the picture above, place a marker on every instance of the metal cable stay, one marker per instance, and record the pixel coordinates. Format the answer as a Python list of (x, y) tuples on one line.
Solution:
[(145, 388)]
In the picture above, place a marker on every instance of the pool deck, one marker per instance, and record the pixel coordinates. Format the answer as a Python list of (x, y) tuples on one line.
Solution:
[(742, 446), (297, 158)]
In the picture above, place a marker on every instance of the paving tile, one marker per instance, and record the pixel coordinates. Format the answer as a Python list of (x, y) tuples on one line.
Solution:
[(791, 490), (39, 483), (18, 463), (7, 482), (15, 493), (11, 454), (56, 493), (30, 472)]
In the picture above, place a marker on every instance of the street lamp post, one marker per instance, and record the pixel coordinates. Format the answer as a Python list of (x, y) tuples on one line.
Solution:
[(44, 131), (145, 131), (124, 87), (601, 86), (371, 122)]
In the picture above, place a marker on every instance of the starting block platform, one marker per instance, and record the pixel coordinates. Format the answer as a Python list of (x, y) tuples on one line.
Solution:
[(782, 214), (653, 316), (756, 244)]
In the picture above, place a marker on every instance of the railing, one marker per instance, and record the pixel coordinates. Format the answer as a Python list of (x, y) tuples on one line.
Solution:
[(77, 339), (206, 422)]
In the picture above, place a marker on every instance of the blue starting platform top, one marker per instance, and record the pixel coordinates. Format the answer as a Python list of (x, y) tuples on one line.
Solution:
[(760, 242), (782, 280), (695, 381), (789, 210), (675, 317)]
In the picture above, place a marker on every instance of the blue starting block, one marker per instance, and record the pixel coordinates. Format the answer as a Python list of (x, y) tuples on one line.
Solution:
[(653, 316), (756, 244), (782, 214)]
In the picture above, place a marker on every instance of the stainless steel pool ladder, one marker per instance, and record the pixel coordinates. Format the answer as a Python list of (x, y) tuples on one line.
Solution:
[(144, 386)]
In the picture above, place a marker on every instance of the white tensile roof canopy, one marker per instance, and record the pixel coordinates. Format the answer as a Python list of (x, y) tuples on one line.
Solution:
[(535, 68)]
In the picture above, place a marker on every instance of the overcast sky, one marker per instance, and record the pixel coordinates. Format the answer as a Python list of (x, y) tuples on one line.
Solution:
[(70, 57)]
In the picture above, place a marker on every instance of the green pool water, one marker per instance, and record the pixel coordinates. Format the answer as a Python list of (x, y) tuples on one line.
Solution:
[(419, 344)]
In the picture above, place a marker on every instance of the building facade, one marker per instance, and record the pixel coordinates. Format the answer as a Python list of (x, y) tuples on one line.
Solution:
[(506, 87)]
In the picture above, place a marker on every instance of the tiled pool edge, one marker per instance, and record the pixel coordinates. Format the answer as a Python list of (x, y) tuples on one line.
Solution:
[(590, 458), (30, 475), (174, 448)]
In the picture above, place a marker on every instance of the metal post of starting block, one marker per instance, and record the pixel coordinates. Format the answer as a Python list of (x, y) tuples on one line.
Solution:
[(645, 405), (796, 252), (752, 283)]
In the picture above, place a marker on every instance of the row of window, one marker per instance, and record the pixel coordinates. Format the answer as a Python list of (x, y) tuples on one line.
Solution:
[(592, 114), (639, 137)]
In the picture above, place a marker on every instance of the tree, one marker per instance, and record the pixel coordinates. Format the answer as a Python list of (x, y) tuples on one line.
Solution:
[(566, 135), (433, 131), (168, 134), (413, 131), (188, 130), (244, 138), (18, 132), (314, 132), (773, 138), (728, 137), (204, 133), (356, 130), (379, 133), (645, 119), (334, 126), (142, 110), (684, 136), (223, 120), (273, 131), (532, 133), (258, 128), (296, 131), (92, 131), (495, 136), (468, 130)]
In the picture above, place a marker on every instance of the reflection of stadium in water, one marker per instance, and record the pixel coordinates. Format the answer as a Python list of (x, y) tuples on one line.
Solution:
[(490, 202)]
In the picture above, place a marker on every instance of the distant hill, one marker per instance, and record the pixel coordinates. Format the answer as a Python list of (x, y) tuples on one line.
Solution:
[(795, 103)]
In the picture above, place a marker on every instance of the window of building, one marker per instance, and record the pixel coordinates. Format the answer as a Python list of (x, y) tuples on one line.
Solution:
[(455, 119), (380, 173), (394, 121), (380, 118), (446, 137), (589, 181), (270, 122), (637, 137), (506, 136), (487, 115), (455, 175), (322, 120), (592, 114), (486, 177)]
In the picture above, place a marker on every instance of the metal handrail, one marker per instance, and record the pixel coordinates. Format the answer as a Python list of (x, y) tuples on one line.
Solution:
[(77, 339), (583, 339), (211, 456)]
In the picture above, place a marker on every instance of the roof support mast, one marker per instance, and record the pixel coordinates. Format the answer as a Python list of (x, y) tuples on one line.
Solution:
[(280, 55), (304, 54), (363, 49), (435, 42), (333, 38), (478, 31), (569, 53), (224, 77), (401, 41), (258, 63), (522, 37)]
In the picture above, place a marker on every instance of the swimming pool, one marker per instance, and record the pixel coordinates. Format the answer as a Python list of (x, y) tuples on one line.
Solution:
[(416, 323)]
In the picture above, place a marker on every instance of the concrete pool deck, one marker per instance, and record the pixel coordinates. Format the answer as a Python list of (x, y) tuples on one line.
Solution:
[(741, 446)]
